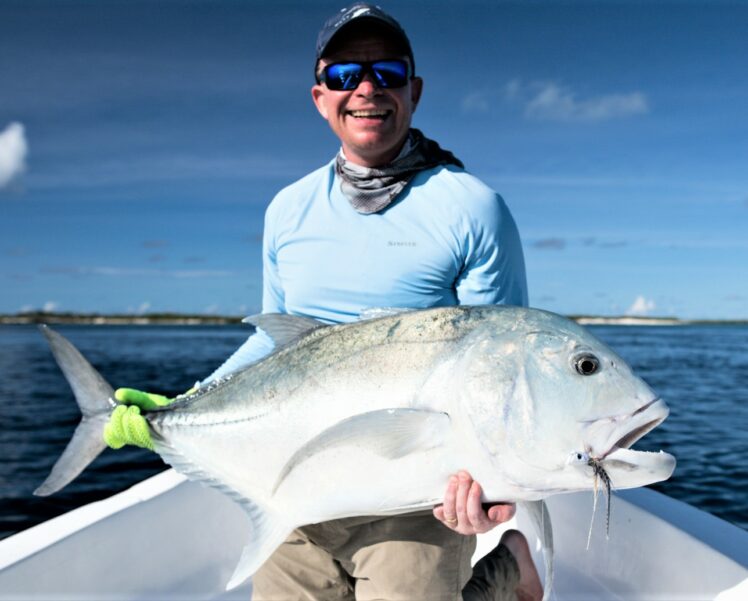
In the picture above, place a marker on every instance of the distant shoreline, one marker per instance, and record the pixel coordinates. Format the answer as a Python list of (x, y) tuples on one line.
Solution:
[(177, 319), (180, 319)]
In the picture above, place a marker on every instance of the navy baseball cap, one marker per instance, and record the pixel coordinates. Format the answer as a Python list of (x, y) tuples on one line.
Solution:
[(354, 13)]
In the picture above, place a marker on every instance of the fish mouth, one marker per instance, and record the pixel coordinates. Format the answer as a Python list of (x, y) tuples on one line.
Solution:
[(619, 457), (612, 433), (640, 422)]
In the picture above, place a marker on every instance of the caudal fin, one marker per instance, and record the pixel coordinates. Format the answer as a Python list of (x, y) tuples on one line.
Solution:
[(95, 400)]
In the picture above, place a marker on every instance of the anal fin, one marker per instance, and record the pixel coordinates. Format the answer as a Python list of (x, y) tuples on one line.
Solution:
[(541, 520), (266, 535), (266, 531)]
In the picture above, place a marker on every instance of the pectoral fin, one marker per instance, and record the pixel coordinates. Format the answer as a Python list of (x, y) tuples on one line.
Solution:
[(390, 433)]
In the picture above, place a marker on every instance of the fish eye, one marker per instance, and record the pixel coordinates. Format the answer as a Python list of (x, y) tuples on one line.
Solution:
[(586, 364), (579, 458)]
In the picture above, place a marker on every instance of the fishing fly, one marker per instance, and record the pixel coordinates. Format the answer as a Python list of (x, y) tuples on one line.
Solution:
[(600, 476)]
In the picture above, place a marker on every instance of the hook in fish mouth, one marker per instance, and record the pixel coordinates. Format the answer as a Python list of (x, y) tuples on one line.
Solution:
[(600, 474)]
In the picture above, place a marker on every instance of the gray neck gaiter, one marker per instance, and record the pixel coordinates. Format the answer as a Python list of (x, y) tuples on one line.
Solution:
[(371, 190)]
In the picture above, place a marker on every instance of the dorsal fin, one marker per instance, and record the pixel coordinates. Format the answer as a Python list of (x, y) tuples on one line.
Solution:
[(283, 328)]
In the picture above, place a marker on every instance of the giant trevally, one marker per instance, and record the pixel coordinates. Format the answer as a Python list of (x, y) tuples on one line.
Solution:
[(372, 417)]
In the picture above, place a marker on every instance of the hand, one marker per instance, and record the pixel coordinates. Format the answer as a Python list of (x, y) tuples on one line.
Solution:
[(462, 510), (126, 425)]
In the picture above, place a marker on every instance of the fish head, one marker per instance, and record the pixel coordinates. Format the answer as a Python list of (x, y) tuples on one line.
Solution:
[(558, 405)]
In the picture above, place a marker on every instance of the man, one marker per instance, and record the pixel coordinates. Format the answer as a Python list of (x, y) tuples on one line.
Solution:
[(392, 221)]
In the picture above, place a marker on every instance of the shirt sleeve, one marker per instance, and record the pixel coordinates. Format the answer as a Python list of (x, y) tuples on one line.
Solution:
[(273, 295), (259, 344), (494, 267)]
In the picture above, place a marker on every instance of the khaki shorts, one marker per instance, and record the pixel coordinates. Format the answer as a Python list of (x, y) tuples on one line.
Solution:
[(408, 557)]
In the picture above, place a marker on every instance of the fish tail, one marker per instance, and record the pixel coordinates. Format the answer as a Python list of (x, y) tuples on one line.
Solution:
[(95, 400)]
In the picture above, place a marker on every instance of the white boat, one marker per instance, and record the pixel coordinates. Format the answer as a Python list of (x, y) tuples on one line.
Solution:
[(167, 538)]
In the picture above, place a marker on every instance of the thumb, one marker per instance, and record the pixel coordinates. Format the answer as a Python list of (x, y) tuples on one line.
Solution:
[(144, 400)]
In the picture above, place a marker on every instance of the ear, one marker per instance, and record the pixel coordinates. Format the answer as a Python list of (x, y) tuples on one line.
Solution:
[(416, 88), (319, 96)]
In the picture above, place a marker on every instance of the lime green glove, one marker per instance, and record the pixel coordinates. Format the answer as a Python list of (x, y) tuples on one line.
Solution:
[(126, 424)]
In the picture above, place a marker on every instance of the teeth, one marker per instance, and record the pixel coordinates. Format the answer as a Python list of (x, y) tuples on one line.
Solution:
[(369, 113)]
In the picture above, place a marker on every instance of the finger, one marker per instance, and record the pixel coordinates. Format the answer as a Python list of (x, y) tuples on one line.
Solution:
[(138, 398), (463, 489), (114, 434), (136, 428), (475, 512), (129, 423), (449, 513), (131, 396), (501, 512), (439, 512)]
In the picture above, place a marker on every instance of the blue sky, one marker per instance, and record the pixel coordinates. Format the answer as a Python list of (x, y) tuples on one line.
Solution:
[(140, 143)]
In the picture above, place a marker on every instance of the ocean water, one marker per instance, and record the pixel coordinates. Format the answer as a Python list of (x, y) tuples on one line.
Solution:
[(700, 371)]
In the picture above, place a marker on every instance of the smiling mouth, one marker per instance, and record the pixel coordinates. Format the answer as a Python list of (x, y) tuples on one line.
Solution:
[(378, 114)]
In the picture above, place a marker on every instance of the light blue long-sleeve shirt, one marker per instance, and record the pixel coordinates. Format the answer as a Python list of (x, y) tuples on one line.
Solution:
[(448, 239)]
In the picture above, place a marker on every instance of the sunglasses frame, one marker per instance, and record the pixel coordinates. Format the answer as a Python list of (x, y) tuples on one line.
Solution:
[(367, 67)]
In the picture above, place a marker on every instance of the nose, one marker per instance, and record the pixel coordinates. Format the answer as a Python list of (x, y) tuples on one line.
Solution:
[(368, 85)]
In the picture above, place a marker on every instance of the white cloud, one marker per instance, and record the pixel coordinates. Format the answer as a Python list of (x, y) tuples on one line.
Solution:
[(513, 89), (13, 150), (136, 271), (550, 243), (482, 100), (50, 306), (148, 169), (476, 102), (143, 308), (641, 306), (553, 102)]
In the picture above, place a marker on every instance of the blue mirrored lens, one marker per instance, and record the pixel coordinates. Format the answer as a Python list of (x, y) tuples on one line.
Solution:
[(390, 74), (347, 76), (343, 76)]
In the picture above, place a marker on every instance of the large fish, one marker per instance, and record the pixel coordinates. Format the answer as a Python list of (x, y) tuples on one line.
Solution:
[(371, 418)]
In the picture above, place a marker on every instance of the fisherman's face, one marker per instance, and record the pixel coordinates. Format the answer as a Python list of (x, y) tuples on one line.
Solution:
[(371, 122)]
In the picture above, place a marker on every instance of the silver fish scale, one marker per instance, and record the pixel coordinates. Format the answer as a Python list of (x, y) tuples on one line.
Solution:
[(261, 387)]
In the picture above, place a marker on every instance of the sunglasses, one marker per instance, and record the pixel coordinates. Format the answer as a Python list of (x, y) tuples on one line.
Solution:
[(393, 73)]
